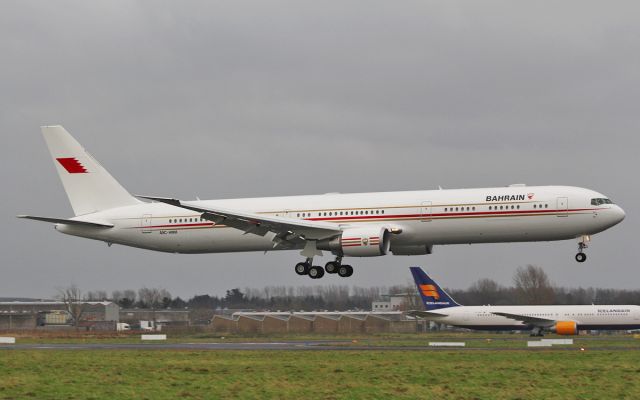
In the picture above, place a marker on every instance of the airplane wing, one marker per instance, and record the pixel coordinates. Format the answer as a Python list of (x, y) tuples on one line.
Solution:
[(535, 321), (285, 230), (67, 221), (426, 314)]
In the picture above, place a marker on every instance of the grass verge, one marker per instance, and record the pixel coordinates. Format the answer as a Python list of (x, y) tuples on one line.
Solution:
[(318, 374)]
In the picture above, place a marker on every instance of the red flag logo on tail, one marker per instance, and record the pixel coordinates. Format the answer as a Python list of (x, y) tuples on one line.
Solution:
[(72, 165)]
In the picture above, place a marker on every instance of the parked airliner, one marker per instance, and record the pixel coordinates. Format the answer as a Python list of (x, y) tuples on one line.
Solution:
[(346, 225), (563, 320)]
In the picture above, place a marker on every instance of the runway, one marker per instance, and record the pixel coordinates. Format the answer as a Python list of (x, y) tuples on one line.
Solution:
[(318, 345)]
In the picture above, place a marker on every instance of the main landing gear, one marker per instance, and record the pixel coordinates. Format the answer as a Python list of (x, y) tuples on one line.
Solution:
[(316, 272), (582, 244)]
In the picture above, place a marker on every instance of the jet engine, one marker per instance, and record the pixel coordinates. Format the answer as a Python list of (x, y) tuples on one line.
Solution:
[(565, 328), (367, 241)]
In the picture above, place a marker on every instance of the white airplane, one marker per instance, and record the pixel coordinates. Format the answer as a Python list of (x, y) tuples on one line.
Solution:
[(346, 225), (563, 320)]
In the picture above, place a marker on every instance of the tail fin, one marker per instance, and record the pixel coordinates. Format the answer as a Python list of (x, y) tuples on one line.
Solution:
[(89, 186), (433, 296)]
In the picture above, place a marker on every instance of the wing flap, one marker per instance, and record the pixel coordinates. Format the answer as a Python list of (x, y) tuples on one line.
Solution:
[(67, 221)]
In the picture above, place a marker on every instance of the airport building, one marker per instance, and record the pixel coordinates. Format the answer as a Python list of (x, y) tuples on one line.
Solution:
[(317, 322), (33, 314), (389, 303)]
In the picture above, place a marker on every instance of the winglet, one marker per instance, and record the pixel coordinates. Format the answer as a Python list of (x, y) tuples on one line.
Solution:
[(433, 296)]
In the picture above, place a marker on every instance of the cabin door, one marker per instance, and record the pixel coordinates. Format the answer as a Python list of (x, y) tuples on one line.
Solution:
[(425, 211), (562, 206), (146, 223)]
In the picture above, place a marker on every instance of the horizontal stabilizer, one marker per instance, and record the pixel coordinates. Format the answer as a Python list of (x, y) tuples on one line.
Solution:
[(426, 314), (67, 221)]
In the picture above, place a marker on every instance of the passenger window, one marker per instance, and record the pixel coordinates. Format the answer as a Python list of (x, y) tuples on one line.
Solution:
[(534, 206), (382, 211), (489, 207)]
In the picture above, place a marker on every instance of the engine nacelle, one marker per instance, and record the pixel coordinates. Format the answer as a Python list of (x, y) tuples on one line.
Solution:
[(366, 241), (565, 328)]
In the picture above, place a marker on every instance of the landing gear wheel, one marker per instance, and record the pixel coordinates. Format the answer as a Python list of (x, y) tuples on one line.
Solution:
[(302, 268), (582, 244), (331, 267), (345, 271), (316, 272)]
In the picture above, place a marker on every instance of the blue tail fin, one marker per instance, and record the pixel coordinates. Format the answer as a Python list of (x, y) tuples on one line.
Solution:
[(431, 293)]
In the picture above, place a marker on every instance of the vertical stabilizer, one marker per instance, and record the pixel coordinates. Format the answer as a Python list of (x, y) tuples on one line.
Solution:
[(432, 295), (89, 186)]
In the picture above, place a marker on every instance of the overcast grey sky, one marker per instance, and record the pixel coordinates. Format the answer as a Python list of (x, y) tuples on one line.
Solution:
[(258, 98)]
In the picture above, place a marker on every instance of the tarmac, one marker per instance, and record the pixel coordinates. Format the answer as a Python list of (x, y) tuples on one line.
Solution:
[(315, 345)]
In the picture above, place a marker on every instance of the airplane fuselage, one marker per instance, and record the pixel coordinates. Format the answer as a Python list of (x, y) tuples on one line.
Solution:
[(421, 218), (586, 317)]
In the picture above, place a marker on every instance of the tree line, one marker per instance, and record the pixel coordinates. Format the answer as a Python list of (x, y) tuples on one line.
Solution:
[(531, 285)]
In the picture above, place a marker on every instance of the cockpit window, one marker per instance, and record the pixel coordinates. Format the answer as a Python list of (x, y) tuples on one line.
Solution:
[(597, 202)]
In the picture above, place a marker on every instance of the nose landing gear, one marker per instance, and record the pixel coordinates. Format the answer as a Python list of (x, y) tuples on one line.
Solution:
[(582, 244)]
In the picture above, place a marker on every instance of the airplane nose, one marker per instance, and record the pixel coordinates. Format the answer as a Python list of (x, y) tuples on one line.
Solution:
[(618, 214)]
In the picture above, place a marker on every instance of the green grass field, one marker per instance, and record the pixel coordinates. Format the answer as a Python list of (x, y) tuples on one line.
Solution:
[(160, 374)]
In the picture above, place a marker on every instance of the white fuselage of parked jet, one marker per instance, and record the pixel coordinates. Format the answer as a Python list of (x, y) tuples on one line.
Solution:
[(560, 319)]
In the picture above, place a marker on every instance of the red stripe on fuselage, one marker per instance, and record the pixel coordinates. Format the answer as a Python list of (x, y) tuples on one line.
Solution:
[(177, 225), (454, 214)]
